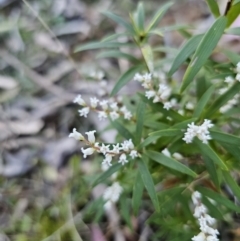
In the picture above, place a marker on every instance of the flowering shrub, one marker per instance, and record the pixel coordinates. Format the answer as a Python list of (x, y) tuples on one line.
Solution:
[(179, 137)]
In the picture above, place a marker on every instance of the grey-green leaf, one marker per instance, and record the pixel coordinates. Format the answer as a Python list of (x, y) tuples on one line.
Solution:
[(232, 183), (140, 121), (213, 6), (204, 50), (137, 193), (170, 163), (186, 50), (167, 132), (225, 138), (148, 182)]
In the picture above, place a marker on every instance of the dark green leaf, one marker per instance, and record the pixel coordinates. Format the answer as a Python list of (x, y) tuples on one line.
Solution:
[(148, 141), (186, 50), (125, 78), (140, 121), (225, 138), (204, 50), (213, 6), (183, 124), (206, 150), (148, 181), (122, 130), (114, 168), (203, 101), (232, 183), (170, 163), (137, 193)]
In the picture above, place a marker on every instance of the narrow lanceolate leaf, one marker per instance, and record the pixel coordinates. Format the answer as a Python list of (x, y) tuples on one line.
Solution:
[(183, 124), (168, 132), (148, 57), (204, 50), (225, 138), (100, 45), (211, 168), (185, 52), (117, 54), (122, 130), (158, 16), (219, 199), (140, 121), (213, 6), (114, 168), (148, 182), (233, 13), (223, 99), (203, 101), (148, 141), (232, 56), (170, 163), (125, 78), (233, 31), (210, 153), (119, 20), (232, 184), (140, 17), (137, 193)]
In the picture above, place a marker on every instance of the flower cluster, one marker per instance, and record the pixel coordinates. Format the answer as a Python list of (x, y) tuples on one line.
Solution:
[(120, 149), (175, 155), (230, 81), (160, 94), (200, 131), (112, 194), (205, 221)]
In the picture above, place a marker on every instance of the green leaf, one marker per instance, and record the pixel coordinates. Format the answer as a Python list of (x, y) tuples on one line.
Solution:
[(173, 28), (223, 99), (186, 50), (158, 16), (140, 121), (167, 132), (211, 168), (140, 17), (183, 124), (233, 13), (225, 138), (232, 183), (123, 131), (100, 45), (148, 57), (219, 199), (148, 182), (170, 163), (209, 152), (148, 141), (213, 6), (232, 56), (233, 31), (233, 150), (125, 78), (236, 1), (114, 168), (204, 50), (112, 37), (137, 193), (119, 20), (117, 54), (125, 211), (203, 101)]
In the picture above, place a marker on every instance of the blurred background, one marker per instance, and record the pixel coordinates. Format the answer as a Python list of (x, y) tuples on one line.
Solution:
[(45, 189)]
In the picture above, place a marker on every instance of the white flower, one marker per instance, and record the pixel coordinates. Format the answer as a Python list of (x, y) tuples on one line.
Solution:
[(138, 77), (127, 115), (222, 90), (150, 93), (102, 115), (238, 77), (156, 99), (113, 193), (177, 156), (91, 136), (167, 105), (104, 166), (123, 159), (87, 152), (229, 80), (84, 111), (114, 115), (94, 101), (114, 106), (164, 91), (104, 149), (147, 77), (200, 237), (76, 135), (107, 160), (127, 145), (116, 148), (189, 106), (196, 197), (79, 100), (166, 152), (199, 210), (104, 104), (212, 238), (133, 154)]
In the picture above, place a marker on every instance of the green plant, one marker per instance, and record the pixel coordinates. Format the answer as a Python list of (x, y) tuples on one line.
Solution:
[(175, 144)]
